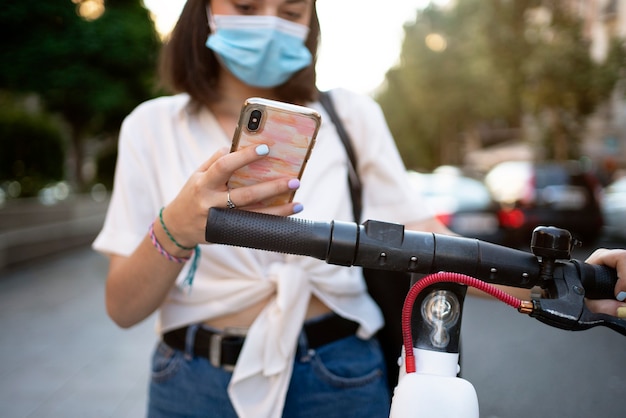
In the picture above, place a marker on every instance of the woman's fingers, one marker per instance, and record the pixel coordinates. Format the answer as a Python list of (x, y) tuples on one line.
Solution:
[(281, 210), (248, 197), (610, 258), (207, 188), (609, 307), (219, 170), (216, 171), (616, 259)]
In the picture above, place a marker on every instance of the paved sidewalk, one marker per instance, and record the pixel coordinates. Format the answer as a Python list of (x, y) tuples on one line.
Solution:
[(60, 355)]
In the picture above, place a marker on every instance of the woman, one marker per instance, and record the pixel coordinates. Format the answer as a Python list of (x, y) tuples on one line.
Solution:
[(244, 332)]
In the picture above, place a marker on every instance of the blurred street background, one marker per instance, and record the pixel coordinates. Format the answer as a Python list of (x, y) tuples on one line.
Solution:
[(508, 115)]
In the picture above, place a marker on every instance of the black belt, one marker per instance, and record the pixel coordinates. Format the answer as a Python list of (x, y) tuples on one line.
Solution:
[(222, 348)]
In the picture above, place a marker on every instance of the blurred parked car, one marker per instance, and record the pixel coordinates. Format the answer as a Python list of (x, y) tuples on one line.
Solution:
[(560, 194), (614, 209), (462, 203)]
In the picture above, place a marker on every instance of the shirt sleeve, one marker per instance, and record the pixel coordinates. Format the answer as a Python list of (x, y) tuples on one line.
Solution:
[(133, 199)]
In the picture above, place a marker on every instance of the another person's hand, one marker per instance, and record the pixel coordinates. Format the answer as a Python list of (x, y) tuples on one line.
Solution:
[(186, 215), (617, 260)]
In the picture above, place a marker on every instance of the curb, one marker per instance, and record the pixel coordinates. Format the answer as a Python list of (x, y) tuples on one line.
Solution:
[(31, 230)]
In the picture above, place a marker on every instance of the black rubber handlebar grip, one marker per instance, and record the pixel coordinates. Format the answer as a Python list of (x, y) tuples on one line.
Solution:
[(268, 232), (328, 241)]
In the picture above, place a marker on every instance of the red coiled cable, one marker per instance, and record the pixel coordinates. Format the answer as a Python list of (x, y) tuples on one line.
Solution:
[(407, 308)]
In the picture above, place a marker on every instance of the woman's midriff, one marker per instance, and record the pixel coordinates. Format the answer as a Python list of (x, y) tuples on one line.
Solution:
[(246, 317)]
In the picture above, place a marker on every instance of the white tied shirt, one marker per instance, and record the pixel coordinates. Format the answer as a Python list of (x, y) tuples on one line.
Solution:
[(162, 142)]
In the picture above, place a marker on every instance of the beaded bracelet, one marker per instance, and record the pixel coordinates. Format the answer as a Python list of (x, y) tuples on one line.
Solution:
[(169, 235), (162, 250)]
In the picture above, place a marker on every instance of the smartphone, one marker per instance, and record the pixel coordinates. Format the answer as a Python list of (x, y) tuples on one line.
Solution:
[(288, 130)]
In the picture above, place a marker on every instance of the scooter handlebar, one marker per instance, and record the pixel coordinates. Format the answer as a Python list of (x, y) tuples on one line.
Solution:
[(386, 246)]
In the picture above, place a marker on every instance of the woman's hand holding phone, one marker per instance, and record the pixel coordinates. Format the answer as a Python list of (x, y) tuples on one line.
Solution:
[(207, 187), (261, 171)]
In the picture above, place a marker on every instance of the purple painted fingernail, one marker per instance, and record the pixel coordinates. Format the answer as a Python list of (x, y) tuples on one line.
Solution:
[(297, 208), (621, 296), (262, 150), (294, 184)]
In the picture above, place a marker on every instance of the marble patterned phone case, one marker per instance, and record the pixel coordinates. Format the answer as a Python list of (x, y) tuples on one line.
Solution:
[(288, 130)]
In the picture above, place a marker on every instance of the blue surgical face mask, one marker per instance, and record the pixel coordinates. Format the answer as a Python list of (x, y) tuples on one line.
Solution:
[(261, 51)]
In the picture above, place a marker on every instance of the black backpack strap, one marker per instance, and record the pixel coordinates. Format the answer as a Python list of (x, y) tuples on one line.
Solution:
[(388, 289), (353, 175)]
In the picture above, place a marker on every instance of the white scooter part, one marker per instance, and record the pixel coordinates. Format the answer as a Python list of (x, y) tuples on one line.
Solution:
[(434, 390)]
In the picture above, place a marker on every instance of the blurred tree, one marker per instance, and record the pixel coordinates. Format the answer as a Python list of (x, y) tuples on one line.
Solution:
[(564, 85), (485, 64), (443, 83), (90, 62), (31, 148)]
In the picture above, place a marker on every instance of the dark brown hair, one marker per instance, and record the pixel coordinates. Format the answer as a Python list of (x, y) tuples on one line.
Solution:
[(187, 65)]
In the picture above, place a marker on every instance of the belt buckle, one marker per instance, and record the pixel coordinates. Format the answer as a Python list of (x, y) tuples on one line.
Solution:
[(215, 346)]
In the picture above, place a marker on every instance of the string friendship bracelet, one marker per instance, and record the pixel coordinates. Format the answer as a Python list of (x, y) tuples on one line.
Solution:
[(188, 281), (169, 235), (162, 250), (192, 269)]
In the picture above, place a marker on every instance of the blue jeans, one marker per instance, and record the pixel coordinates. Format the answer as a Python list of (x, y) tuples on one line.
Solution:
[(345, 378)]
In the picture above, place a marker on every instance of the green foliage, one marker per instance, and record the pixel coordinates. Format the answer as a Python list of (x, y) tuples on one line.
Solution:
[(105, 163), (502, 60), (31, 149), (434, 95), (91, 72)]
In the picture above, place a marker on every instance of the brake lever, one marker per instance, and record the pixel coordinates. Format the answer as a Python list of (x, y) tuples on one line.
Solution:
[(562, 304)]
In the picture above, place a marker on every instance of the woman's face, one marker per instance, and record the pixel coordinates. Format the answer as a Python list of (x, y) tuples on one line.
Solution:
[(297, 11)]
